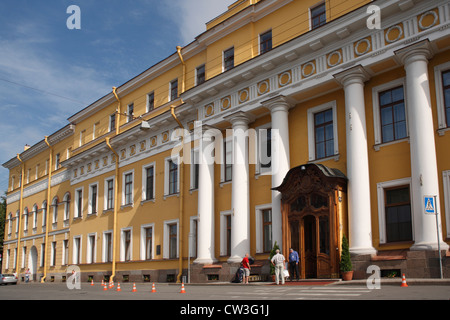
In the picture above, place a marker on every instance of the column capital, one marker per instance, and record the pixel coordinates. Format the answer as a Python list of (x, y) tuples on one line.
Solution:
[(240, 118), (356, 74), (278, 103), (418, 51)]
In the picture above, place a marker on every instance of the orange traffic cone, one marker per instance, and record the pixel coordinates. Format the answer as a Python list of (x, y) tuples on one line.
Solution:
[(134, 288), (153, 287), (403, 281), (111, 284), (118, 287), (182, 288), (105, 288), (92, 282)]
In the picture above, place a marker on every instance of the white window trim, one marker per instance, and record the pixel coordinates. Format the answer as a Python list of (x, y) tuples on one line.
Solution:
[(143, 239), (35, 212), (311, 134), (105, 194), (259, 39), (55, 210), (176, 160), (109, 124), (258, 149), (223, 57), (446, 178), (132, 187), (90, 208), (128, 112), (122, 243), (89, 248), (170, 89), (166, 246), (259, 225), (227, 140), (44, 214), (65, 261), (196, 73), (148, 101), (75, 204), (52, 255), (440, 102), (144, 181), (376, 110), (66, 200), (25, 219), (195, 158), (381, 201), (223, 231), (194, 234), (314, 7), (105, 243), (74, 253)]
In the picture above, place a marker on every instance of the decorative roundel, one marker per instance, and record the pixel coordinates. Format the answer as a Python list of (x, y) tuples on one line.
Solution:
[(399, 36), (263, 87), (225, 103), (284, 78), (368, 47), (310, 65), (331, 55), (427, 14), (243, 95), (209, 110)]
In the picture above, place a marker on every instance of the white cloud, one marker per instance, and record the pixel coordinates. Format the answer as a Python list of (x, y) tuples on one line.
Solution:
[(191, 16)]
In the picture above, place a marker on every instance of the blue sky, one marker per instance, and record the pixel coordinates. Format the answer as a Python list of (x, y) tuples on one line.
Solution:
[(48, 72)]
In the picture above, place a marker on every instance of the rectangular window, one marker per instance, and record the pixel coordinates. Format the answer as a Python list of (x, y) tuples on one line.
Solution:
[(398, 214), (172, 241), (91, 249), (324, 134), (130, 112), (200, 74), (392, 114), (266, 148), (149, 191), (150, 101), (318, 16), (127, 245), (174, 90), (195, 167), (173, 177), (57, 161), (112, 122), (79, 203), (77, 250), (228, 59), (107, 247), (148, 243), (228, 159), (267, 229), (110, 194), (93, 199), (228, 234), (265, 42), (66, 252), (128, 199), (446, 90)]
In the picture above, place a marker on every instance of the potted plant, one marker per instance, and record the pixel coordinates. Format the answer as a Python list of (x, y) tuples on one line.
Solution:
[(272, 253), (346, 262)]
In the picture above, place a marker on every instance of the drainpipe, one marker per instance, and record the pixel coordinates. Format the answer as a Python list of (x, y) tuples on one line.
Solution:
[(20, 214), (47, 211), (183, 84), (180, 258), (116, 205), (117, 111)]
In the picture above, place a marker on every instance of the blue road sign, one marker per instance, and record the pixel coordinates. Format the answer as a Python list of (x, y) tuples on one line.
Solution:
[(429, 204)]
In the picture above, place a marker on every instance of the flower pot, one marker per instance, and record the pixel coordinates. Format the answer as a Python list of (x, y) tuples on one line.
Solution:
[(347, 275)]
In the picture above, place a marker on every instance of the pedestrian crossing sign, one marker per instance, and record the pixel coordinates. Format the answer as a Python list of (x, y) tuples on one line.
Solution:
[(429, 203)]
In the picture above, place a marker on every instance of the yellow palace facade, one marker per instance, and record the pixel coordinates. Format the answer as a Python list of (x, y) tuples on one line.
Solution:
[(346, 105)]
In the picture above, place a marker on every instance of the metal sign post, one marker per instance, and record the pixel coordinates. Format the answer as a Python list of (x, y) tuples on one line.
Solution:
[(430, 206)]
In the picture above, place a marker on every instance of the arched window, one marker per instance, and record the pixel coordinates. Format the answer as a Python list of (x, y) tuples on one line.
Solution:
[(44, 213), (35, 212), (66, 201), (10, 218), (17, 221), (55, 209), (25, 219)]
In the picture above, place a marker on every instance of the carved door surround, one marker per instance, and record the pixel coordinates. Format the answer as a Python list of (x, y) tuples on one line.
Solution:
[(313, 209)]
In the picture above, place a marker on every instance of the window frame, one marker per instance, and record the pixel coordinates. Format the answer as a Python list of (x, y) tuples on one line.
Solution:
[(312, 135), (199, 79), (391, 105), (172, 89), (125, 185), (228, 62), (443, 122), (91, 200), (167, 190), (106, 198), (262, 42), (312, 17), (145, 181)]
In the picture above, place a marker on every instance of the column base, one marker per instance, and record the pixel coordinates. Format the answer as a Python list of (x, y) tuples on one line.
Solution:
[(205, 261), (363, 251), (235, 259), (429, 246)]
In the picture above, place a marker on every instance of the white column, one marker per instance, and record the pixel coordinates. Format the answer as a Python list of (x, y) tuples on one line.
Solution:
[(205, 234), (359, 210), (280, 165), (240, 220), (424, 172)]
